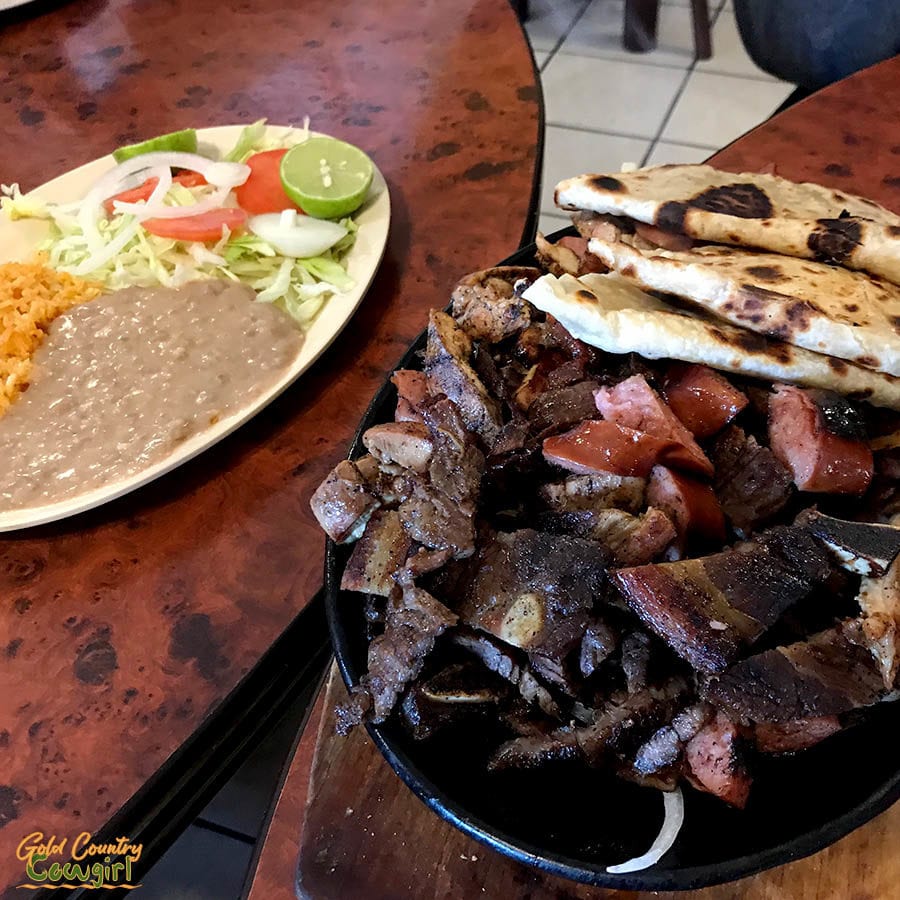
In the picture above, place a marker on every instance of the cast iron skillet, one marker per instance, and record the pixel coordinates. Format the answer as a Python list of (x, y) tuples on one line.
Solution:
[(574, 823)]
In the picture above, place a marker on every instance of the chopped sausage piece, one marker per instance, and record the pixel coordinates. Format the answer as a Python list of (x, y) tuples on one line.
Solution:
[(714, 765), (599, 491), (704, 400), (412, 389), (407, 444), (378, 554), (751, 484), (710, 609), (343, 503), (690, 504), (788, 737), (449, 372), (632, 403), (601, 446), (820, 437), (487, 305)]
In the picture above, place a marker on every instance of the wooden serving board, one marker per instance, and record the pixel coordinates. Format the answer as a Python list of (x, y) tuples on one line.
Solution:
[(355, 830)]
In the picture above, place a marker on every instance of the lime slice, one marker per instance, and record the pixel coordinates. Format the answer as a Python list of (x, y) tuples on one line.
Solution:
[(326, 178), (177, 142)]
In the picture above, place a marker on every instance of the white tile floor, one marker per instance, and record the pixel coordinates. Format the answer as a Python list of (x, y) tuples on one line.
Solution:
[(605, 106)]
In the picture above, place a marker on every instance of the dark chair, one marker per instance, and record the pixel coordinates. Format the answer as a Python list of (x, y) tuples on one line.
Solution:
[(640, 26)]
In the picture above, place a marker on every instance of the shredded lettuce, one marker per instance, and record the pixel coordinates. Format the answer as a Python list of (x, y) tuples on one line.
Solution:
[(300, 287)]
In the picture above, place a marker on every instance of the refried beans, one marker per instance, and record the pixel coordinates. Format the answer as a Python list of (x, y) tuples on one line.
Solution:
[(121, 381)]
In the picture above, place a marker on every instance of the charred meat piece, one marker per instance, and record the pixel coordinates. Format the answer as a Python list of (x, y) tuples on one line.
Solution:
[(635, 660), (560, 408), (432, 518), (598, 643), (713, 762), (821, 439), (879, 600), (598, 225), (343, 503), (632, 403), (414, 622), (619, 728), (600, 491), (378, 554), (866, 548), (601, 446), (529, 583), (827, 675), (751, 484), (788, 737), (488, 305), (666, 745), (658, 237), (422, 562), (406, 444), (704, 400), (691, 505), (412, 389), (710, 609), (496, 656), (457, 694), (449, 372), (569, 255), (632, 540)]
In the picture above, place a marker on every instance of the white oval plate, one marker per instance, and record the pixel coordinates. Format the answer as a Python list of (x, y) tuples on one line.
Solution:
[(18, 240)]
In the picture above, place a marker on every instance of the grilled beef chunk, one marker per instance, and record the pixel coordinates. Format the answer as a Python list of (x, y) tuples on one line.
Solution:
[(632, 540), (378, 554), (788, 737), (599, 491), (605, 447), (635, 660), (405, 444), (422, 562), (560, 408), (751, 484), (569, 255), (821, 439), (343, 503), (439, 511), (488, 305), (412, 389), (710, 609), (690, 504), (829, 674), (704, 400), (632, 403), (414, 622), (449, 372), (455, 695), (619, 728), (713, 762), (866, 548), (529, 583), (598, 643), (666, 745)]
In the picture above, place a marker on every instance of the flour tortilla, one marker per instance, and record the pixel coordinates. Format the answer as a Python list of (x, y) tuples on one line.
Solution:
[(607, 312), (822, 308), (748, 210)]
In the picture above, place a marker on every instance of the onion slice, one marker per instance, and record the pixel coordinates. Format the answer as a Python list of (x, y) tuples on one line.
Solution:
[(674, 819), (296, 236)]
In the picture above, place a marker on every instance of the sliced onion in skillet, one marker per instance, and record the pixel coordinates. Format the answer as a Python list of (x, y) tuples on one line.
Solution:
[(674, 819)]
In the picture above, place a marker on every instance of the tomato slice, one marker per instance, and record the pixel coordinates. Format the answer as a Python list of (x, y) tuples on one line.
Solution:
[(263, 192), (143, 191), (203, 227)]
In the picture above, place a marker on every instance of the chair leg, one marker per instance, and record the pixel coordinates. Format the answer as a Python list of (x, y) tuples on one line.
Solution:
[(640, 25), (702, 36)]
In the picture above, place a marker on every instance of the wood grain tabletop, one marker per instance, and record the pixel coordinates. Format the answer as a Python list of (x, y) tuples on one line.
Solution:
[(354, 828), (124, 629)]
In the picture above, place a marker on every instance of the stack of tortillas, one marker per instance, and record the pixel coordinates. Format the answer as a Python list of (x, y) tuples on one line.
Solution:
[(785, 281)]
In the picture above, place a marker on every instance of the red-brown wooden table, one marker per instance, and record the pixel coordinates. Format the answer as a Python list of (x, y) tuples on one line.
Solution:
[(348, 825), (125, 632)]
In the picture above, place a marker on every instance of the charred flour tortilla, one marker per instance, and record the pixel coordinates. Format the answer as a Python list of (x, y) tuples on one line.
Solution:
[(748, 210), (822, 308), (606, 311)]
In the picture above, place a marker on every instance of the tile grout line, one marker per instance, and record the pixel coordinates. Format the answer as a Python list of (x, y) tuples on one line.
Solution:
[(624, 134), (690, 71), (562, 39)]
